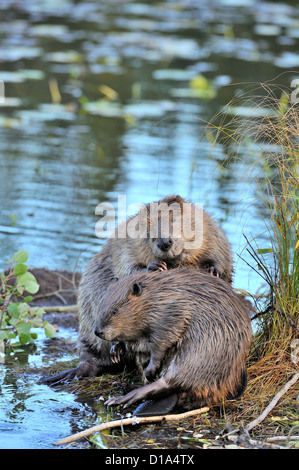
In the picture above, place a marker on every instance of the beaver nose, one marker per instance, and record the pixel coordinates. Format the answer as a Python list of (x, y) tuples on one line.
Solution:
[(98, 333), (165, 243)]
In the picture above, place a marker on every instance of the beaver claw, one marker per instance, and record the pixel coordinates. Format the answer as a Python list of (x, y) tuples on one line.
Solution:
[(157, 266), (215, 272), (116, 351)]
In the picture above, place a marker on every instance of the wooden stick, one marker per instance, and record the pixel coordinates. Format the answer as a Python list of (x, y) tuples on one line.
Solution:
[(59, 308), (283, 438), (271, 405), (126, 421)]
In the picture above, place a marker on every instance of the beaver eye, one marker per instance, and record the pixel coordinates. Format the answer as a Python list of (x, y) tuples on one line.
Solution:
[(114, 312)]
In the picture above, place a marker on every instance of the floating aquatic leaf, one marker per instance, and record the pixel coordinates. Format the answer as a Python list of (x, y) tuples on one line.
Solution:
[(199, 87), (13, 219), (200, 83), (108, 92), (54, 90)]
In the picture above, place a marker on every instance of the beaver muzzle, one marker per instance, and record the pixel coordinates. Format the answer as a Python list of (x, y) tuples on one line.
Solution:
[(99, 333)]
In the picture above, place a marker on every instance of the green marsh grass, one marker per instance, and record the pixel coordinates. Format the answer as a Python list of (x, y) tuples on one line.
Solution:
[(262, 126)]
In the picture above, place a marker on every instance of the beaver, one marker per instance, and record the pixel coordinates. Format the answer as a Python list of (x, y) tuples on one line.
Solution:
[(181, 234), (197, 330)]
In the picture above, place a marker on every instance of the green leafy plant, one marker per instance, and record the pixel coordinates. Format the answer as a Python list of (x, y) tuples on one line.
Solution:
[(17, 316)]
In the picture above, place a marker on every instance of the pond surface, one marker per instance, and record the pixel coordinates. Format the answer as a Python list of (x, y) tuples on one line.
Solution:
[(101, 100)]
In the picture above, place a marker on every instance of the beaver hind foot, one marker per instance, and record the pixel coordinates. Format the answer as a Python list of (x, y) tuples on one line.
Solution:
[(59, 378), (157, 407), (85, 369)]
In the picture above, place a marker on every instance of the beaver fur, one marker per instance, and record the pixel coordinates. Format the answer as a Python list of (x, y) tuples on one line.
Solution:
[(197, 331)]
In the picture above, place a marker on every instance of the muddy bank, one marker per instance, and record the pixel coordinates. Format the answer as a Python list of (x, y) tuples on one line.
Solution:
[(58, 288)]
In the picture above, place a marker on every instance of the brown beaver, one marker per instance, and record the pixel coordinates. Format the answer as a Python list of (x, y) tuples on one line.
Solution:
[(197, 329), (196, 241)]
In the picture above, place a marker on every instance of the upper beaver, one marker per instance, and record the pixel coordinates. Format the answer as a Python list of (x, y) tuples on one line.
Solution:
[(180, 234), (197, 330)]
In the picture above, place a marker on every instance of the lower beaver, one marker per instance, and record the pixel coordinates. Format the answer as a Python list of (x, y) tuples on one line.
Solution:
[(196, 329)]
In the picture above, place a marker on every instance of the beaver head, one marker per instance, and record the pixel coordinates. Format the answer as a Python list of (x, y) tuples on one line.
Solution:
[(120, 312), (165, 229)]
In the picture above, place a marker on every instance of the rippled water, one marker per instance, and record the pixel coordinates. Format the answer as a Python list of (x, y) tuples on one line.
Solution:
[(67, 143)]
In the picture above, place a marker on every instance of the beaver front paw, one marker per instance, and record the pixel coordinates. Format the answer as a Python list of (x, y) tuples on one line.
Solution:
[(116, 352), (157, 266), (151, 371)]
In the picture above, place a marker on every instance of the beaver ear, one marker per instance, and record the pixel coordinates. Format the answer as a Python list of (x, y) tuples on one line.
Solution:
[(136, 289)]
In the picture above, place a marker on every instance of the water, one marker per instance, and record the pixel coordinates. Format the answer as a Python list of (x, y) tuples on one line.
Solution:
[(62, 151), (34, 416)]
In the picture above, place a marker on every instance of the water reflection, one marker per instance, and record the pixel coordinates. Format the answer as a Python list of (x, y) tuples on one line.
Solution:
[(63, 152)]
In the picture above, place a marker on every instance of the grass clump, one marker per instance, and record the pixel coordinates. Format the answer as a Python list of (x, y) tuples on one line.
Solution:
[(267, 136)]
